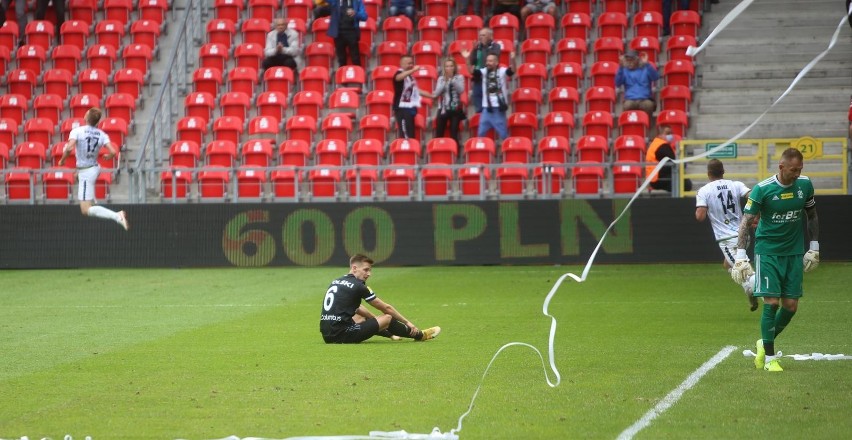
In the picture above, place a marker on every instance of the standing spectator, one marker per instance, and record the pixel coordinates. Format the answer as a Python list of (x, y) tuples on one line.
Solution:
[(321, 9), (477, 7), (507, 7), (449, 91), (88, 140), (402, 7), (536, 6), (493, 80), (283, 46), (20, 15), (344, 320), (637, 76), (661, 147), (41, 11), (721, 200), (668, 11), (406, 96), (476, 60), (345, 29), (785, 203)]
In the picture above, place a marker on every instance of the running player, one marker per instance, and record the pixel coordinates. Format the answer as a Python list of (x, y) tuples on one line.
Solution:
[(784, 201), (344, 320), (88, 140), (720, 200)]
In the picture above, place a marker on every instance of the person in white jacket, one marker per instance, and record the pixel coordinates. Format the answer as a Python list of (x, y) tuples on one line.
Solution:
[(283, 47)]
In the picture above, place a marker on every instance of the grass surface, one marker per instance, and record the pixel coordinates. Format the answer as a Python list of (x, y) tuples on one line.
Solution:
[(201, 354)]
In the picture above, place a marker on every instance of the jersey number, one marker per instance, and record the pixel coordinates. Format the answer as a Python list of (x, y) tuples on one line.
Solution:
[(329, 298), (91, 144), (729, 205)]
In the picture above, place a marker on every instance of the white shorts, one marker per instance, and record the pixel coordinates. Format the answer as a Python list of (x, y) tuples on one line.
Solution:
[(86, 179), (728, 248)]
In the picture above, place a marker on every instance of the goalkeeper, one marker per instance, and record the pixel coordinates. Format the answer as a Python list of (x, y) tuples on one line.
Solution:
[(783, 201)]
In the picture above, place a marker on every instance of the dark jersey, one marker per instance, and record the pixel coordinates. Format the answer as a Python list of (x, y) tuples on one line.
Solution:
[(341, 300)]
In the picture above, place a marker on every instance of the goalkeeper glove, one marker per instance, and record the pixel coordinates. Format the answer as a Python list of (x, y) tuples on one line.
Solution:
[(811, 259), (742, 269)]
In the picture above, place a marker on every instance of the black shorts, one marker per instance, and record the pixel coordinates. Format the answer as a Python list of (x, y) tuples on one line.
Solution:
[(355, 333)]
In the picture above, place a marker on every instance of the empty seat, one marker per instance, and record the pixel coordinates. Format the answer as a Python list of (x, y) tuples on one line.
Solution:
[(191, 128), (598, 123), (118, 10), (629, 148), (382, 77), (285, 183), (437, 181), (298, 9), (249, 55), (399, 182), (592, 149), (221, 31), (8, 132), (563, 99), (184, 154), (229, 9), (568, 74), (685, 22), (554, 149), (479, 150), (337, 126), (576, 25), (315, 79), (572, 50), (405, 151), (526, 99), (213, 55), (505, 27), (40, 130), (441, 150), (13, 107), (175, 184), (40, 33), (608, 49), (222, 153), (350, 77), (81, 103), (235, 104), (648, 24), (679, 73), (362, 182), (250, 183), (626, 178), (83, 10), (264, 127), (101, 56), (473, 181), (278, 79), (397, 29), (75, 33), (516, 149), (9, 35), (130, 81), (31, 57), (323, 182), (31, 154), (47, 106), (540, 25), (320, 54), (375, 127), (549, 180), (379, 102), (367, 152), (57, 82), (307, 104), (20, 184), (57, 185), (522, 124), (433, 28), (115, 128), (67, 57), (271, 104), (301, 128), (634, 122), (650, 46), (600, 99), (228, 128), (109, 33), (532, 75), (331, 152), (675, 98), (511, 181), (242, 79), (213, 183), (676, 47), (93, 82), (466, 27), (676, 119), (199, 104), (426, 52), (154, 10), (603, 74), (588, 179)]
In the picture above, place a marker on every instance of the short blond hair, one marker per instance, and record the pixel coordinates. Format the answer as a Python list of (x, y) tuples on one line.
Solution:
[(93, 116)]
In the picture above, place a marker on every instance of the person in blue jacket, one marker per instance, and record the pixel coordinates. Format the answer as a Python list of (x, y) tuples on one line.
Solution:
[(637, 76), (344, 28)]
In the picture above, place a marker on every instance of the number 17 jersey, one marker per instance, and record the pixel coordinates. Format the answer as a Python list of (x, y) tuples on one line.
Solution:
[(722, 199), (89, 142)]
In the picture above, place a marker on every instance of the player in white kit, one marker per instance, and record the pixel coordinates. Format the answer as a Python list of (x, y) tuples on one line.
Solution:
[(720, 199), (88, 140)]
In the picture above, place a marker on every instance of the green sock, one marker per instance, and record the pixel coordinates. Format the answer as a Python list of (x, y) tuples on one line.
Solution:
[(782, 318), (767, 328)]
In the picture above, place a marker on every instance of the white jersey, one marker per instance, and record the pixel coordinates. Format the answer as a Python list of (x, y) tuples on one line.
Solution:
[(722, 198), (89, 142)]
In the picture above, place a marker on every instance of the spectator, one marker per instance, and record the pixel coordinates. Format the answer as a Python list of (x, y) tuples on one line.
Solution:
[(448, 91), (663, 146), (667, 13), (493, 81), (637, 76), (406, 96), (344, 28), (321, 9), (507, 7), (41, 11), (476, 59), (20, 15), (402, 7), (477, 7), (283, 46), (536, 6)]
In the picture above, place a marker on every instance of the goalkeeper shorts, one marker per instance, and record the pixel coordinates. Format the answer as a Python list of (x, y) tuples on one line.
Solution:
[(778, 276)]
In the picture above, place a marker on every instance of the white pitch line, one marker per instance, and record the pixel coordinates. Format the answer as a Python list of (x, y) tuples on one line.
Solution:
[(676, 393)]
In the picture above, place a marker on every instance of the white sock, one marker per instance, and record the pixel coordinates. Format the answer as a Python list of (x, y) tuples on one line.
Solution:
[(101, 212), (771, 358)]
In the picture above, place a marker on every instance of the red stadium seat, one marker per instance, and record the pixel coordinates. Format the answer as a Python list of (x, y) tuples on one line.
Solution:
[(600, 99), (315, 79), (379, 102), (362, 183), (213, 55), (540, 26), (554, 149), (505, 27), (676, 119), (93, 81), (75, 33), (536, 50), (634, 122), (675, 98), (620, 6), (257, 153), (626, 178), (572, 50), (115, 128), (264, 127), (298, 9), (337, 126), (199, 104), (676, 47), (20, 184), (382, 77), (5, 58), (249, 55), (285, 183), (154, 10), (228, 128), (405, 151), (426, 76), (66, 57), (264, 9), (191, 128), (437, 181), (130, 81), (81, 103), (8, 132), (568, 75), (13, 107), (648, 24), (522, 124), (597, 123), (588, 179), (426, 53), (40, 33), (213, 183), (466, 27), (442, 150), (184, 154), (375, 127), (9, 35), (526, 99), (629, 148), (58, 184), (254, 30), (563, 99), (367, 152), (558, 124), (222, 153), (331, 152), (57, 82), (647, 45), (39, 130), (323, 182), (576, 26), (517, 149), (389, 53), (433, 28), (229, 9), (532, 75), (235, 104), (511, 181), (294, 152), (320, 54), (592, 149), (83, 10), (439, 8), (685, 22), (47, 106), (473, 181), (549, 180), (612, 25), (319, 27), (307, 104), (118, 10), (399, 182), (109, 33), (479, 150), (603, 74), (221, 31), (101, 56), (69, 124), (397, 29), (273, 104), (175, 184), (351, 77), (679, 73), (31, 57), (608, 49), (301, 128), (30, 154), (242, 79), (278, 79)]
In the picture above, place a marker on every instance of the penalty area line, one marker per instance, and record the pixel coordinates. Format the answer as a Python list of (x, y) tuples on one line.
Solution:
[(675, 395)]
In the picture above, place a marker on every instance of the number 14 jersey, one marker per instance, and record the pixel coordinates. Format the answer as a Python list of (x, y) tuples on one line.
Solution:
[(722, 198)]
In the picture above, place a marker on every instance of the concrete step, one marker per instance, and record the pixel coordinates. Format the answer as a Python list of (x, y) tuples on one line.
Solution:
[(784, 71), (772, 125)]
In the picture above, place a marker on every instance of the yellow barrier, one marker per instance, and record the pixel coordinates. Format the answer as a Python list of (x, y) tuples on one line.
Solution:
[(752, 160)]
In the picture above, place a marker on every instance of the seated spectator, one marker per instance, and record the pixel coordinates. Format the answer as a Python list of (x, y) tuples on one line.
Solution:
[(662, 146), (321, 9), (402, 7), (283, 46), (536, 6), (507, 7), (637, 76)]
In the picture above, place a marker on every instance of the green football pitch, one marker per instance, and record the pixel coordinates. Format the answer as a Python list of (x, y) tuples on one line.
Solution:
[(207, 353)]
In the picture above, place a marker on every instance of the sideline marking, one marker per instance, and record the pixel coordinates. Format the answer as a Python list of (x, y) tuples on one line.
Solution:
[(676, 393)]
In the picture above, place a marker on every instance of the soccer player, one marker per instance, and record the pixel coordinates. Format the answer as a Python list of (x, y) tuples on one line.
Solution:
[(783, 201), (720, 200), (88, 140), (344, 320)]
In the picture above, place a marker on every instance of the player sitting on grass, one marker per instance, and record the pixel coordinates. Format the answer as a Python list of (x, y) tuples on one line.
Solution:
[(345, 321)]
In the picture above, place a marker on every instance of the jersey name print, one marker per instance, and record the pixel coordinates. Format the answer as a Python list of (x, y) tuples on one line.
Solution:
[(722, 199), (782, 215), (341, 300)]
